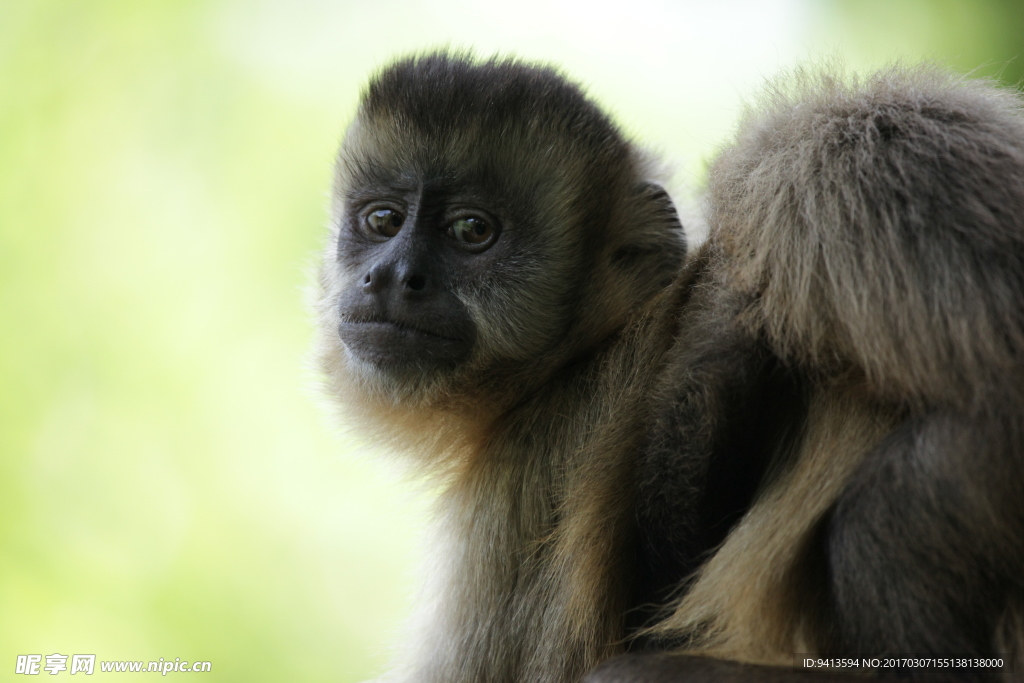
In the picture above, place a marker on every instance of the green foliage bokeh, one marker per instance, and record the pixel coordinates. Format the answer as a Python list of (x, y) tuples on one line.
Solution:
[(169, 486)]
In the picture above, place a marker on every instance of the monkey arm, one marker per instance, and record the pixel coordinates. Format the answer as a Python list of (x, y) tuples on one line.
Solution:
[(722, 407), (923, 546)]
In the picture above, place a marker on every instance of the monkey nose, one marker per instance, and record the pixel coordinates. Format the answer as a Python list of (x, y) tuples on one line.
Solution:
[(416, 283), (375, 280), (383, 278), (414, 278)]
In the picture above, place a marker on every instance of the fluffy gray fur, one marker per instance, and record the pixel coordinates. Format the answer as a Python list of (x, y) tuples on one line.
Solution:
[(880, 220)]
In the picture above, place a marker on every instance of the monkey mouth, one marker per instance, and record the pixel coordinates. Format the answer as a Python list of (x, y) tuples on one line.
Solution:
[(391, 343), (397, 326)]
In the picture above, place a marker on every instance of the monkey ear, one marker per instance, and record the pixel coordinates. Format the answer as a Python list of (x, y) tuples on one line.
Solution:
[(661, 204), (651, 244)]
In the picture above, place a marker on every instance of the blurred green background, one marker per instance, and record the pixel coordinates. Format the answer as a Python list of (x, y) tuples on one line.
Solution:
[(171, 484)]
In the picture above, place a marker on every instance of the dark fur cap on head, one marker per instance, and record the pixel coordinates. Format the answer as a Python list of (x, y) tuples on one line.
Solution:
[(523, 130), (443, 93)]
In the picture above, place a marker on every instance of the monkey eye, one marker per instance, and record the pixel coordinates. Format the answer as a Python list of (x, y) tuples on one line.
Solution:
[(472, 232), (385, 222)]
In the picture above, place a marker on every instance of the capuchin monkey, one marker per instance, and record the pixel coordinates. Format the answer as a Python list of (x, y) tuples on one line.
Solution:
[(802, 440)]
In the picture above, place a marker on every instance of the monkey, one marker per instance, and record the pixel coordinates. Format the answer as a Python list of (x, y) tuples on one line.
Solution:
[(853, 350), (492, 233), (885, 520), (802, 437)]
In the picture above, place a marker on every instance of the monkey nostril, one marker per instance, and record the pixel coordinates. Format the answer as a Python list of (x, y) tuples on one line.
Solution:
[(416, 283)]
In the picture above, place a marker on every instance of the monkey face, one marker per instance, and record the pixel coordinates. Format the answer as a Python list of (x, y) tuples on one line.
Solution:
[(489, 225), (406, 247), (446, 271)]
